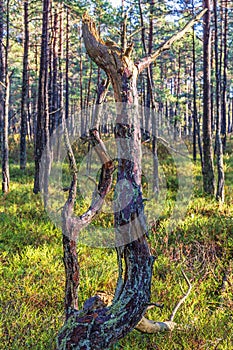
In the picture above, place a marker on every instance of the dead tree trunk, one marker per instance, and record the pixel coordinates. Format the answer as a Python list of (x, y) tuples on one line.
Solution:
[(97, 327)]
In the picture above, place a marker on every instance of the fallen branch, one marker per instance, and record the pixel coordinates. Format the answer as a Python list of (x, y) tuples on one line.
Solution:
[(150, 326), (183, 299)]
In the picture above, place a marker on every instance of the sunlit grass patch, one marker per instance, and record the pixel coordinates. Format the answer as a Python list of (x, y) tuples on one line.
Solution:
[(200, 242)]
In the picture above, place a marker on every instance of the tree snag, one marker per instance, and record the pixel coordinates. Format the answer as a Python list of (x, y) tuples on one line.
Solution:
[(98, 326)]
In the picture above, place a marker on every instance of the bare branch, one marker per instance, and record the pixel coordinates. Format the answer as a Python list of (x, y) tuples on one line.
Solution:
[(95, 46), (183, 299), (78, 223), (146, 61), (135, 32), (71, 225)]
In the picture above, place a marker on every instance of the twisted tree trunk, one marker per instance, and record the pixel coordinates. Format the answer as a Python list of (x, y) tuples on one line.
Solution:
[(98, 326)]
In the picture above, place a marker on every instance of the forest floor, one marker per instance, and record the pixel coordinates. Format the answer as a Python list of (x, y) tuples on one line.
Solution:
[(32, 272)]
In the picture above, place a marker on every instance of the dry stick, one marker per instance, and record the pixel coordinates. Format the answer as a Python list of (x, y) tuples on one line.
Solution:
[(183, 299), (101, 95)]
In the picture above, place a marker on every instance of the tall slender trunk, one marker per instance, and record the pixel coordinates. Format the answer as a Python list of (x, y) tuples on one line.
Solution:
[(81, 99), (34, 90), (6, 98), (5, 146), (177, 107), (42, 128), (196, 124), (208, 168), (24, 94), (67, 94), (150, 102), (54, 76), (219, 144), (59, 122), (1, 72), (224, 4)]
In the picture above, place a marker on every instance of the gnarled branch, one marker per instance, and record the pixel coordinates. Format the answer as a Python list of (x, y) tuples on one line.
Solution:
[(72, 225)]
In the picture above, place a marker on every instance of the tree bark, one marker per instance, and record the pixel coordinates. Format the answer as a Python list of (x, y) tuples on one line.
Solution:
[(219, 144), (1, 71), (196, 123), (42, 126), (224, 4), (24, 94), (67, 86), (208, 169), (5, 146), (55, 110), (5, 92)]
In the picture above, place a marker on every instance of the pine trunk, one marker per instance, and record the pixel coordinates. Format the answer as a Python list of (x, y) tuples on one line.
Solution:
[(5, 110), (218, 140), (207, 169), (224, 80), (42, 126), (24, 95)]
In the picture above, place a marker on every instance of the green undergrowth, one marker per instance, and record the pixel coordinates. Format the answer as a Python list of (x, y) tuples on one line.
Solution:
[(200, 242)]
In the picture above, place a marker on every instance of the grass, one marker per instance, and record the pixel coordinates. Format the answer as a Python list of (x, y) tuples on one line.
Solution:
[(32, 273)]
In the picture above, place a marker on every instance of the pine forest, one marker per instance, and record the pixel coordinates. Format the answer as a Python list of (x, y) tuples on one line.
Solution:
[(116, 201)]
